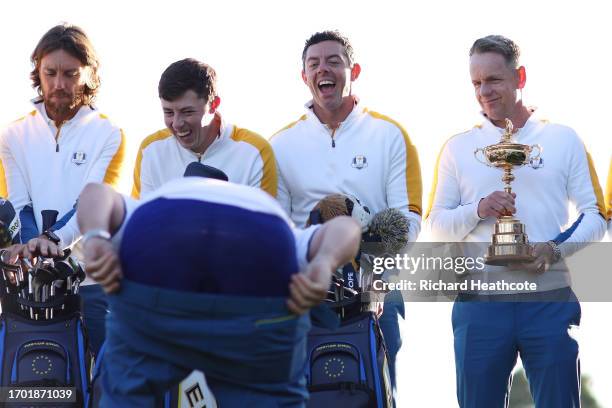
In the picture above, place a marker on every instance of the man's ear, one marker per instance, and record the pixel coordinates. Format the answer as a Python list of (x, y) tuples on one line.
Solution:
[(304, 77), (214, 104), (522, 77), (355, 71)]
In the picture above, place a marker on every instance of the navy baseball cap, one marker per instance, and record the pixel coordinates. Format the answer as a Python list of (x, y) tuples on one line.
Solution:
[(197, 169)]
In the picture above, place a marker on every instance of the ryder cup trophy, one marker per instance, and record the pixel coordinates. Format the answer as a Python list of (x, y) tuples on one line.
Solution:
[(509, 241)]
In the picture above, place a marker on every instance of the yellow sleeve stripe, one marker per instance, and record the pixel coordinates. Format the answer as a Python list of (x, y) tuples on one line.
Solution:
[(434, 184), (114, 167), (269, 179), (601, 205), (159, 135), (3, 187), (609, 192), (292, 124), (414, 183)]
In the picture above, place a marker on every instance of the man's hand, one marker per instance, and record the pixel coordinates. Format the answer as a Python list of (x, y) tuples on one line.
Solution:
[(309, 288), (102, 264), (497, 204), (37, 247), (544, 255)]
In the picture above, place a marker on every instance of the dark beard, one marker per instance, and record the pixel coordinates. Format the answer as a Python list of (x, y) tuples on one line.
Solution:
[(61, 112)]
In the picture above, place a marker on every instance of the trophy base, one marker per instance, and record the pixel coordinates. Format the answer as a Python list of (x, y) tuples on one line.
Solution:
[(504, 255), (510, 244)]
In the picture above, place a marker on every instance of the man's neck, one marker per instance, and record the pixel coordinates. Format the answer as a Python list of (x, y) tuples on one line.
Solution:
[(212, 131), (519, 117), (333, 118)]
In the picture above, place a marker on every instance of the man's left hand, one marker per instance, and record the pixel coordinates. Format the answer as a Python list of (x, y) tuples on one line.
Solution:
[(38, 247), (543, 259)]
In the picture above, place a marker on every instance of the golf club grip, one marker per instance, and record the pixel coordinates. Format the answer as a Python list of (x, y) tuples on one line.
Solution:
[(49, 217)]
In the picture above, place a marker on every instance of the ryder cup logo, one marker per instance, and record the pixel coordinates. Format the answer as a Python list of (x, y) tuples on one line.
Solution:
[(79, 158), (536, 163), (359, 162)]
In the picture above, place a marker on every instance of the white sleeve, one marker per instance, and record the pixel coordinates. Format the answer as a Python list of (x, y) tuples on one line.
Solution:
[(145, 173), (403, 185), (449, 220), (584, 192), (129, 204), (302, 243), (282, 193), (105, 169), (17, 190)]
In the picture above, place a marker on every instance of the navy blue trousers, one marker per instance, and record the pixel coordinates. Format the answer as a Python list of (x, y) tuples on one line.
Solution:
[(490, 334), (252, 350)]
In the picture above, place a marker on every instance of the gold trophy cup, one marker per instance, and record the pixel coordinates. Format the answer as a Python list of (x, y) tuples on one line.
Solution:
[(509, 241)]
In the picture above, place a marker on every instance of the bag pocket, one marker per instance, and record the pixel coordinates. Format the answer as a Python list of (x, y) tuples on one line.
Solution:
[(39, 362)]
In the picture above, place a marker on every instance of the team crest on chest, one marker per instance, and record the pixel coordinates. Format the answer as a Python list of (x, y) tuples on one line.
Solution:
[(79, 158), (359, 162)]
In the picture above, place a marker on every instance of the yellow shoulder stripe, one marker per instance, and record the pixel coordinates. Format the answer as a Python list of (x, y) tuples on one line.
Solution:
[(114, 167), (33, 113), (434, 186), (159, 135), (292, 124), (3, 187), (609, 192), (601, 204), (269, 179), (414, 184)]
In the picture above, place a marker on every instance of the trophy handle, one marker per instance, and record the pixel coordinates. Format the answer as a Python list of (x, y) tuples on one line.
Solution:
[(537, 156), (481, 150)]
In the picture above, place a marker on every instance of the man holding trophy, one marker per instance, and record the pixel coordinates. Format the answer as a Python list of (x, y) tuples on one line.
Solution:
[(545, 168)]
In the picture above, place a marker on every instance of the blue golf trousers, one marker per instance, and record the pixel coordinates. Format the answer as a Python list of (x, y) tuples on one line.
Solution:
[(490, 334)]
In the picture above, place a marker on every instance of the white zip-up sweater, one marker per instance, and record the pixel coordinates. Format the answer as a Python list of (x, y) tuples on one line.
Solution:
[(369, 156), (543, 190), (48, 167), (244, 156)]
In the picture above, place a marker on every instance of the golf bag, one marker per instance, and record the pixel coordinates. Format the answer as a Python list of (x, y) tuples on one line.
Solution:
[(46, 353), (43, 342), (348, 366)]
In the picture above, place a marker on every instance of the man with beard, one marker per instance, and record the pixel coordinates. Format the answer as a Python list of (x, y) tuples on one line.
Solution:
[(50, 154), (338, 146)]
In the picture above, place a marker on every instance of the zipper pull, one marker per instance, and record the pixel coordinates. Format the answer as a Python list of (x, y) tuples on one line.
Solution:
[(333, 142), (56, 147)]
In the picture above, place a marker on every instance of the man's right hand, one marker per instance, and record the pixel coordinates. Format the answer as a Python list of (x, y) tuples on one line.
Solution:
[(102, 264), (308, 288), (497, 204)]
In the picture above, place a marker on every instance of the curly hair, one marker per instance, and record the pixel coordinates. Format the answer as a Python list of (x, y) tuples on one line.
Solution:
[(74, 41)]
